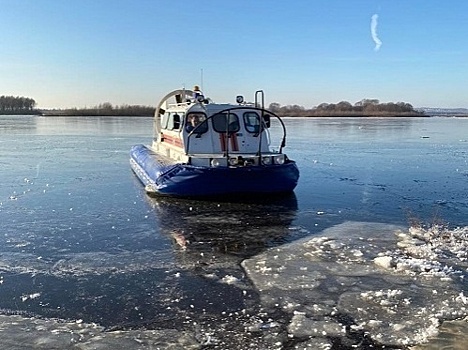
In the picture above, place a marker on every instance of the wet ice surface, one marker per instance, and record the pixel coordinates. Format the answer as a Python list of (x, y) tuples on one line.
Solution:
[(199, 288), (88, 261)]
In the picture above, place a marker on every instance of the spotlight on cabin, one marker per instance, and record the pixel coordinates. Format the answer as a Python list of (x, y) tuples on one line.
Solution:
[(240, 99)]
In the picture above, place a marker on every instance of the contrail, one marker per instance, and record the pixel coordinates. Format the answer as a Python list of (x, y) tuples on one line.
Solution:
[(373, 28)]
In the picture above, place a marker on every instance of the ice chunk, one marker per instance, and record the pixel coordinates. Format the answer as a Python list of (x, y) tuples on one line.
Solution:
[(314, 344), (302, 326), (384, 261), (228, 279)]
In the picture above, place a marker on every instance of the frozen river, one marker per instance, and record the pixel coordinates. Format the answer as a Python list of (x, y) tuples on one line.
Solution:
[(369, 252)]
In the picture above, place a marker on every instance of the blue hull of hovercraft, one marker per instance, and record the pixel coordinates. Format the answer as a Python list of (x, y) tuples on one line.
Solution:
[(183, 180)]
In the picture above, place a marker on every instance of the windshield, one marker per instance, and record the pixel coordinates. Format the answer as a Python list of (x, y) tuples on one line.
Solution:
[(196, 122), (223, 122)]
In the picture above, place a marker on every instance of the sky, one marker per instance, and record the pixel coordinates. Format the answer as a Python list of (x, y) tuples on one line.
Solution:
[(69, 53)]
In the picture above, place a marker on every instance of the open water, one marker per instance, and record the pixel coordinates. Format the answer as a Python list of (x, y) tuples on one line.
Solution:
[(89, 261)]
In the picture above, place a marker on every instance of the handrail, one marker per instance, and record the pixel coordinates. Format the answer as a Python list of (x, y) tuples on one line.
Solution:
[(262, 118), (262, 123), (263, 98)]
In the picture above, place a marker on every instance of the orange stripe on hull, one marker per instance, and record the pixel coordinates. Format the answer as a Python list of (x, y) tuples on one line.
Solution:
[(172, 140), (233, 141), (222, 141), (234, 144)]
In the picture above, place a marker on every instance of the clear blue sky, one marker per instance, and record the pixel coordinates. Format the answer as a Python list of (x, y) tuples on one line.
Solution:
[(76, 53)]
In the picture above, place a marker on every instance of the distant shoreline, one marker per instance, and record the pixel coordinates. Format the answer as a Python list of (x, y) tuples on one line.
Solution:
[(22, 112), (328, 115), (95, 115), (360, 115), (282, 116), (383, 115)]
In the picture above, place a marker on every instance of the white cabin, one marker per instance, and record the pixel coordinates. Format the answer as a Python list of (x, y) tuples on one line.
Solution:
[(206, 134)]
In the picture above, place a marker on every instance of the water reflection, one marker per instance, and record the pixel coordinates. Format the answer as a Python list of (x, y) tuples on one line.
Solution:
[(17, 124), (92, 125), (355, 129), (38, 125), (221, 229)]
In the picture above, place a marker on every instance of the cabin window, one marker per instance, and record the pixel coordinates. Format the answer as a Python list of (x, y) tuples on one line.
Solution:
[(197, 122), (171, 120), (252, 122), (223, 122), (175, 125), (164, 119)]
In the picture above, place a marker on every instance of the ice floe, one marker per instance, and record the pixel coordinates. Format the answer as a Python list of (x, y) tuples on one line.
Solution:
[(393, 285), (20, 333), (80, 264)]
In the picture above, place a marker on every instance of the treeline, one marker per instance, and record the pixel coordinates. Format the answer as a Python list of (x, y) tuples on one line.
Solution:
[(363, 108), (104, 109), (17, 105)]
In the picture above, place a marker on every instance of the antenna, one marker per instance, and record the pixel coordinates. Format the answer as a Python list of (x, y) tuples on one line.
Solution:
[(201, 79)]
